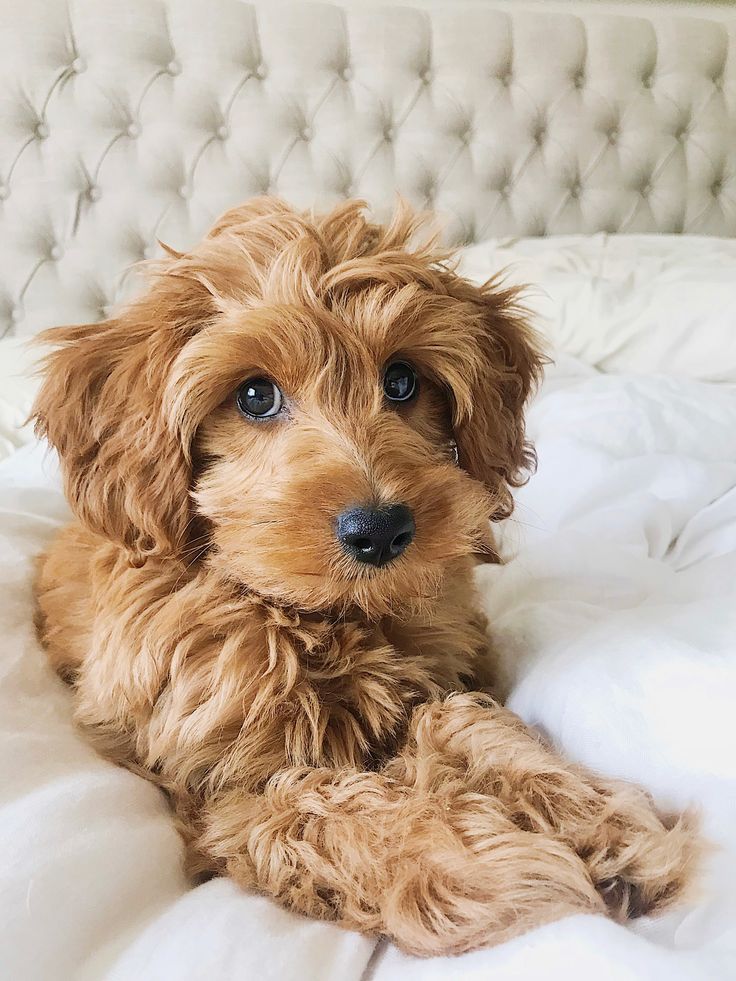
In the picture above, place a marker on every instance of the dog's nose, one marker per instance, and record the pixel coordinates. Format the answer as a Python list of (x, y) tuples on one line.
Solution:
[(376, 535)]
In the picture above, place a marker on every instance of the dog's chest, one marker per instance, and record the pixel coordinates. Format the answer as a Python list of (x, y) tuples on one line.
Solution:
[(345, 692), (236, 690), (354, 685)]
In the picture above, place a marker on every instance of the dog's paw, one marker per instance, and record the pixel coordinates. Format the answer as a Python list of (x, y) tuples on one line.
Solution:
[(640, 862)]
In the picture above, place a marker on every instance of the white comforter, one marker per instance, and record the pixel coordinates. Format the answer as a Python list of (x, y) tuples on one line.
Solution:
[(617, 627)]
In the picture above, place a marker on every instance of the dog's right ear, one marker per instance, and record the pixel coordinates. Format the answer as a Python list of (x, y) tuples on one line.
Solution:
[(126, 474)]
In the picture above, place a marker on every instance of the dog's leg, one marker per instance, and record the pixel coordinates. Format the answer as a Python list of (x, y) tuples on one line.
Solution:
[(638, 860), (440, 869)]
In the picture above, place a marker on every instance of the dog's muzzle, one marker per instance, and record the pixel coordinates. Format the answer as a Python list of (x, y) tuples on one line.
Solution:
[(376, 535)]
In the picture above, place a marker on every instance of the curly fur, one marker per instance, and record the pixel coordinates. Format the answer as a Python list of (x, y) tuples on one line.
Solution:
[(309, 718)]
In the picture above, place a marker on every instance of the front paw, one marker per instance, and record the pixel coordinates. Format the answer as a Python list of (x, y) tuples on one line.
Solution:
[(639, 861)]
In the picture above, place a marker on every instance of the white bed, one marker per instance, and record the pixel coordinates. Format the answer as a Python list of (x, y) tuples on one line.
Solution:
[(616, 620)]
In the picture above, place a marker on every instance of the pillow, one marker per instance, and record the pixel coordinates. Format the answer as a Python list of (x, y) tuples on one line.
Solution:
[(635, 303), (18, 387)]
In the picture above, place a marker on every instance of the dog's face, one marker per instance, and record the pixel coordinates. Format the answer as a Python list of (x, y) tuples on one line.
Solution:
[(325, 414), (327, 471)]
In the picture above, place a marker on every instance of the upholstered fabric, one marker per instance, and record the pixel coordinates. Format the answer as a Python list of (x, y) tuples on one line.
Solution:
[(125, 122)]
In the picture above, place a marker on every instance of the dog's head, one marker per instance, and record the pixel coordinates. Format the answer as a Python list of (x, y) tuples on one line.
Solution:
[(322, 410)]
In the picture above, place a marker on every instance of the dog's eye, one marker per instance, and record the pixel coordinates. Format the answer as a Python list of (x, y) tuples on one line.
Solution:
[(259, 398), (400, 382)]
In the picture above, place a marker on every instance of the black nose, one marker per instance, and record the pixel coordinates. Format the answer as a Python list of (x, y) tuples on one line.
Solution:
[(376, 535)]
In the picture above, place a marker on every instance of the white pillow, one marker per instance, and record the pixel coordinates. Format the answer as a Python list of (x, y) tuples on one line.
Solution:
[(637, 303), (18, 387)]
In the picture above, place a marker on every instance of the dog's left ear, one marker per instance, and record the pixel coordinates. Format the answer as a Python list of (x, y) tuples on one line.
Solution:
[(504, 364), (101, 405)]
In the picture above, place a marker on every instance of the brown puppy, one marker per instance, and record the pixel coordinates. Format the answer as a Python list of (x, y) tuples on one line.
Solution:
[(266, 605)]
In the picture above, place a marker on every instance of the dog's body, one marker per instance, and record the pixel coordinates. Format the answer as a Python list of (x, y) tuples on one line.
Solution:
[(300, 689)]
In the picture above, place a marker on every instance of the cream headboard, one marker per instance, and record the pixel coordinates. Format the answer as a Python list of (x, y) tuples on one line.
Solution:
[(124, 121)]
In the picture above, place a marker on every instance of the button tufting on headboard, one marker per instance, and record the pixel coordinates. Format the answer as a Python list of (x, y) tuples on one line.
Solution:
[(125, 123)]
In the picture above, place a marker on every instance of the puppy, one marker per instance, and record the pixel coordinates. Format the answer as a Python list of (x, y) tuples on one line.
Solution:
[(283, 460)]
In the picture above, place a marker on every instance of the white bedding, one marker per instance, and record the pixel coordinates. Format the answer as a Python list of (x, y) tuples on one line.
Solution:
[(616, 623)]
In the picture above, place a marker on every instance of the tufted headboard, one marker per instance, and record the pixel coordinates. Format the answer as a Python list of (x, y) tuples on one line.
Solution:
[(127, 121)]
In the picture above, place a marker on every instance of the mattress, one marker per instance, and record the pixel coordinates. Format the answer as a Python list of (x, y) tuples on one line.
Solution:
[(614, 617)]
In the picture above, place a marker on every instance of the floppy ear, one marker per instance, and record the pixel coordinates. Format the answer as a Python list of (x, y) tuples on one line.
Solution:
[(505, 366), (101, 406)]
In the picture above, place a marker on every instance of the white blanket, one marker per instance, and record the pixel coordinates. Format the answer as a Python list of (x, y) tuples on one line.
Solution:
[(616, 623)]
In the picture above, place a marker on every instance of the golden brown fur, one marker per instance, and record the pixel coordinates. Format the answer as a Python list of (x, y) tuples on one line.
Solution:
[(309, 717)]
